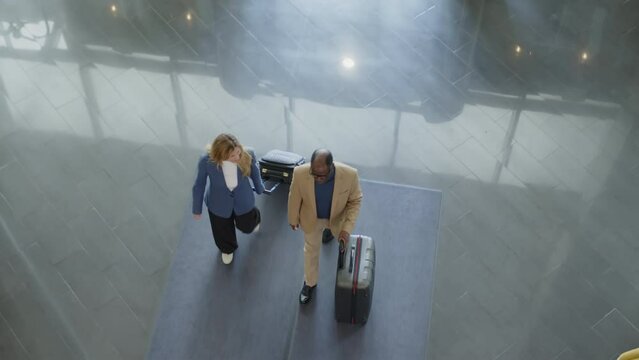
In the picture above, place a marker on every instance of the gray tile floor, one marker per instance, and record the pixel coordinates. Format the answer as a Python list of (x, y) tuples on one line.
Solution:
[(522, 112)]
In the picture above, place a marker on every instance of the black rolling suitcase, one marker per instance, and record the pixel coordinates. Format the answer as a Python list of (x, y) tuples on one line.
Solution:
[(277, 166), (354, 280)]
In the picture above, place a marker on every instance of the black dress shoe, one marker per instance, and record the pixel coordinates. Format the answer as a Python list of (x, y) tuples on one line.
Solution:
[(327, 236), (306, 295)]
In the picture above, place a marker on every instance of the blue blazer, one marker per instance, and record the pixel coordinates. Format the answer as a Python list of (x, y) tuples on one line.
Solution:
[(218, 198)]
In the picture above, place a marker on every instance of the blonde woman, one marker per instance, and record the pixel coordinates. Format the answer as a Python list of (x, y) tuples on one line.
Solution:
[(229, 196)]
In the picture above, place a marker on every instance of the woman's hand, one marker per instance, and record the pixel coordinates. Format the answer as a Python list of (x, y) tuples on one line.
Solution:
[(197, 216)]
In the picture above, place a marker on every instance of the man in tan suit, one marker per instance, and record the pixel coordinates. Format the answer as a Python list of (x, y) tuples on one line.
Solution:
[(323, 195)]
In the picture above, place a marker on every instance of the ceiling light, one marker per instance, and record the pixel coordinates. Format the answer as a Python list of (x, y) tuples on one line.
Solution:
[(348, 63)]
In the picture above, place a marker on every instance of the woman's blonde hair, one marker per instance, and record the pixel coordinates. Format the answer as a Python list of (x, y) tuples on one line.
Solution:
[(221, 149)]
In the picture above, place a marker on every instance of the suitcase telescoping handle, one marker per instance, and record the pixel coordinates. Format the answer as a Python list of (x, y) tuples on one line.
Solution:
[(269, 187), (350, 265)]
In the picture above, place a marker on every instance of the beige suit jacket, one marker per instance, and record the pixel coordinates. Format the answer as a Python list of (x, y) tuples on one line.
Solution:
[(345, 205)]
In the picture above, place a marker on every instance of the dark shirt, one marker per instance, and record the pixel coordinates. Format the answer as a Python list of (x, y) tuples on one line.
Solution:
[(324, 197)]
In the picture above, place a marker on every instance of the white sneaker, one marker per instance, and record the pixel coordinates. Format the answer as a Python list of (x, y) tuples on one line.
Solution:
[(257, 228), (227, 258)]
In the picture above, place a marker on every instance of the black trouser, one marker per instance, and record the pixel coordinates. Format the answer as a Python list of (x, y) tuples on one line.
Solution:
[(224, 228)]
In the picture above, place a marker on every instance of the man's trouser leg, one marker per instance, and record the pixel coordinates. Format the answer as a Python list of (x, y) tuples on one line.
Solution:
[(312, 244)]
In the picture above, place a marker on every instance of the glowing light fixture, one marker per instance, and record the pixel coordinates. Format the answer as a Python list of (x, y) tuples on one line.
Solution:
[(114, 8), (348, 63), (189, 17), (584, 56), (518, 49)]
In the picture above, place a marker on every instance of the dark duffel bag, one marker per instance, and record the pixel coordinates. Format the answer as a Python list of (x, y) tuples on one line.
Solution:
[(355, 279), (278, 165)]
